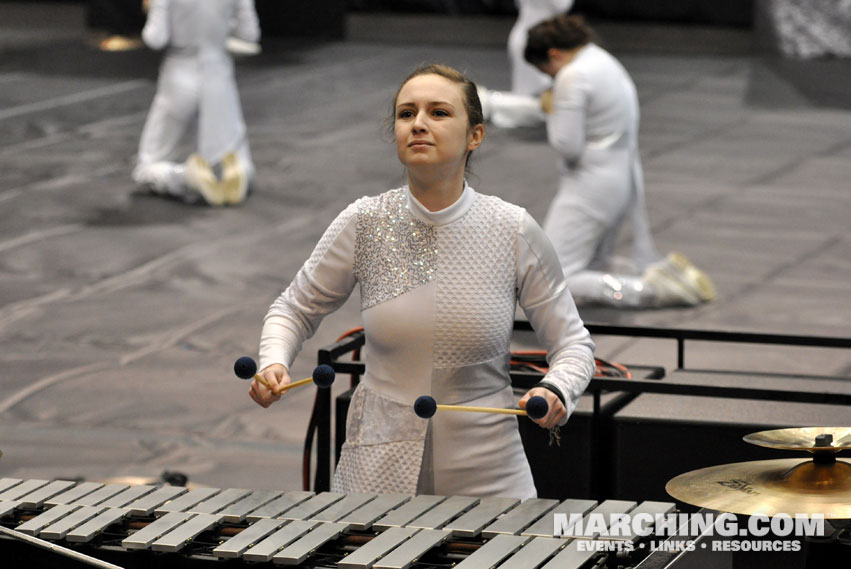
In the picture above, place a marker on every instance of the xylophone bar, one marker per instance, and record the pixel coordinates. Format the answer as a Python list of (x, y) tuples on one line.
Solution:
[(334, 530)]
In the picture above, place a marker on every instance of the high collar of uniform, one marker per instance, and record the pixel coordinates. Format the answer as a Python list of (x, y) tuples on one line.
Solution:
[(446, 215)]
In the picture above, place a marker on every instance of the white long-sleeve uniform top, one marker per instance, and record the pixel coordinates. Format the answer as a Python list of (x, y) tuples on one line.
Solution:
[(197, 70), (594, 127), (438, 296)]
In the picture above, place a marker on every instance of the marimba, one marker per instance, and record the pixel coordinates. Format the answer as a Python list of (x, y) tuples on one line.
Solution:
[(177, 525)]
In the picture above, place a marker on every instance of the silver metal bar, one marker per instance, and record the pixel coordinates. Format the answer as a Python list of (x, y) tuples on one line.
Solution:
[(650, 508), (186, 501), (520, 517), (298, 551), (75, 493), (411, 550), (143, 538), (344, 507), (100, 495), (444, 512), (534, 553), (408, 511), (58, 549), (493, 552), (279, 505), (37, 498), (309, 508), (44, 519), (87, 531), (146, 505), (221, 500), (129, 495), (544, 526), (368, 554), (474, 521), (264, 550), (7, 508), (6, 483), (571, 557), (22, 489), (363, 518), (609, 507), (177, 538), (60, 529), (241, 542), (236, 512)]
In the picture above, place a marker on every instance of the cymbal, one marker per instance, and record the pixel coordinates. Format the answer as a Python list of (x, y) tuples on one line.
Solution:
[(802, 438), (789, 485)]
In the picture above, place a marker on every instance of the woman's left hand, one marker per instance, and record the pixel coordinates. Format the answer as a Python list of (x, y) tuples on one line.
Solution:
[(556, 411)]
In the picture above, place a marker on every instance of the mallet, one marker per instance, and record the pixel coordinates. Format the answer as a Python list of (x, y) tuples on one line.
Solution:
[(536, 407), (246, 368)]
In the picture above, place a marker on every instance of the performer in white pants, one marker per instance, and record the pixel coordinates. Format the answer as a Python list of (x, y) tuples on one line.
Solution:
[(521, 106), (594, 128), (197, 87)]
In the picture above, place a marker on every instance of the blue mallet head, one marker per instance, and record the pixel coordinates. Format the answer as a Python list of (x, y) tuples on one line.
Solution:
[(245, 367), (537, 407), (323, 376), (425, 406)]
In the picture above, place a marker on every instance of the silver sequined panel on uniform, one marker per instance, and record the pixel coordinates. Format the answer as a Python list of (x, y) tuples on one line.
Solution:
[(394, 252), (476, 284)]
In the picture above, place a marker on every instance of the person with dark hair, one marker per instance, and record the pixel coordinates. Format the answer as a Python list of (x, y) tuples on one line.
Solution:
[(593, 126), (440, 268), (197, 87), (521, 105)]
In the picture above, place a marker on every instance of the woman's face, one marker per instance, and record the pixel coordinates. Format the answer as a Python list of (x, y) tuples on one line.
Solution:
[(431, 123)]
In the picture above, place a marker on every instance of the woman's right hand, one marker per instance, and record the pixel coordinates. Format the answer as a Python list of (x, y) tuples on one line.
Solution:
[(276, 376)]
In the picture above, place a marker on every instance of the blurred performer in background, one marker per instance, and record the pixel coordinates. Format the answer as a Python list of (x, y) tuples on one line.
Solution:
[(197, 87), (521, 106), (593, 126), (441, 269)]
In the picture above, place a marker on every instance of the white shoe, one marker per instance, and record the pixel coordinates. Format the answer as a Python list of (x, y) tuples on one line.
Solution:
[(677, 282), (234, 179), (200, 177)]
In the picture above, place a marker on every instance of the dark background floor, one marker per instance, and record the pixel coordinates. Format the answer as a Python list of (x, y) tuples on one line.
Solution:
[(121, 315)]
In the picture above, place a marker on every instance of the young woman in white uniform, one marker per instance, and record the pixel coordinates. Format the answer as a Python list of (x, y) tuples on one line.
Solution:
[(594, 128), (196, 84), (440, 268)]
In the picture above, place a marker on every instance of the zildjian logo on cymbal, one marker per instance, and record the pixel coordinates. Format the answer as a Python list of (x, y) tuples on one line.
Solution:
[(740, 485)]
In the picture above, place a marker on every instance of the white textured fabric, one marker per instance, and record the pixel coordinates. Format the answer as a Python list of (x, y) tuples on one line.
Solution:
[(379, 456), (594, 128), (475, 293), (436, 324), (196, 81)]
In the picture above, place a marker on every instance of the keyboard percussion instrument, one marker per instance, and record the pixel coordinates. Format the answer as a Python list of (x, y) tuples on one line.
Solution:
[(148, 525)]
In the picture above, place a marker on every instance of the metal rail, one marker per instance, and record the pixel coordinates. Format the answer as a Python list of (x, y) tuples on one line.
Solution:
[(331, 355)]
